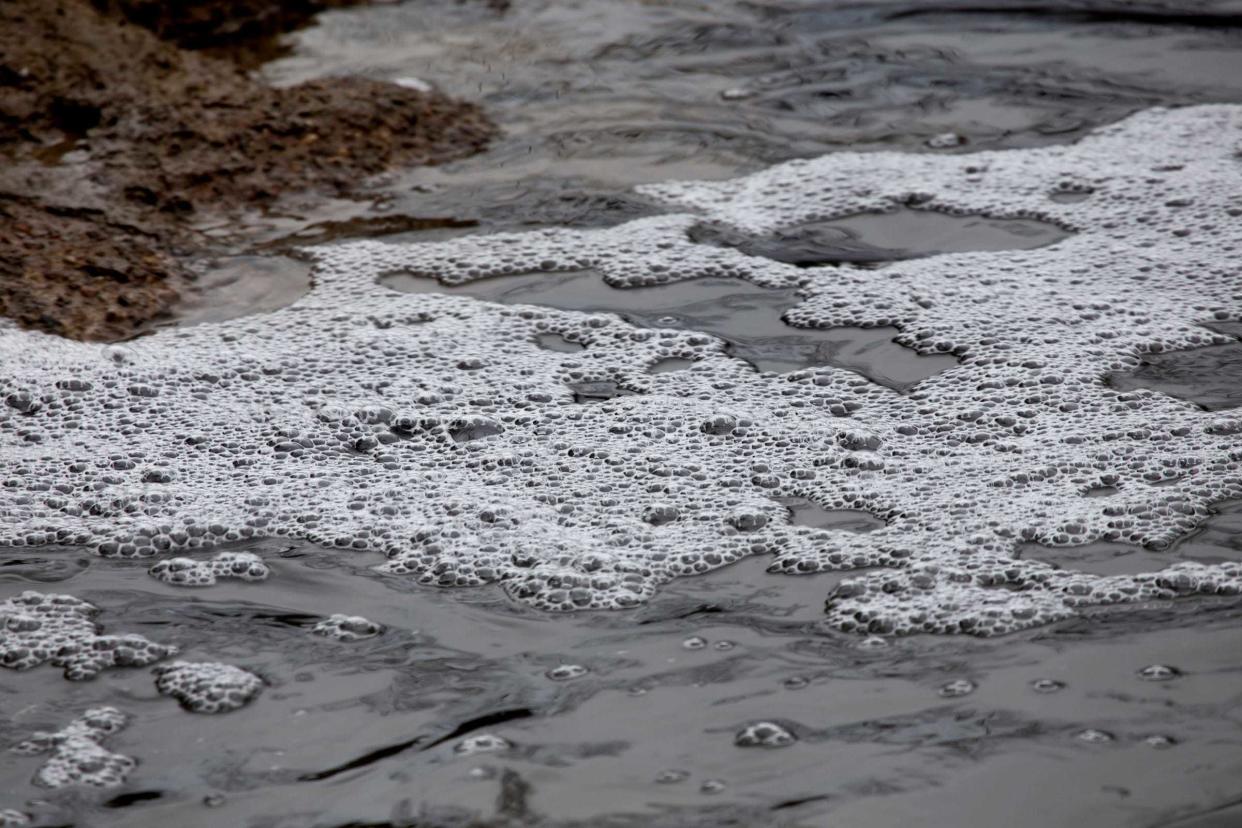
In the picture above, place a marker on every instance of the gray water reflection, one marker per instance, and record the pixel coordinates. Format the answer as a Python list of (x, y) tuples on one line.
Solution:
[(746, 316), (875, 238), (369, 732), (1210, 377)]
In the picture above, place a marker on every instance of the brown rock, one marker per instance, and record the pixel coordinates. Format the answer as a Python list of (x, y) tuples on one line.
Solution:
[(168, 135)]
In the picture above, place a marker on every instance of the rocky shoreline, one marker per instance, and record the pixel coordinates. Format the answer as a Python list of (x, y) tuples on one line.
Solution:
[(119, 143)]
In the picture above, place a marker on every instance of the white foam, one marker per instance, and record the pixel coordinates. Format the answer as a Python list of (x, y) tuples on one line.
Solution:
[(78, 756), (61, 630), (243, 566), (334, 419)]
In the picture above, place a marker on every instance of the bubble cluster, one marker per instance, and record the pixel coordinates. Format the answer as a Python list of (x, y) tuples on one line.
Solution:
[(1047, 685), (765, 735), (78, 757), (347, 627), (207, 687), (1093, 736), (567, 672), (436, 431), (244, 566), (672, 777), (60, 630), (481, 743), (956, 689), (1158, 672)]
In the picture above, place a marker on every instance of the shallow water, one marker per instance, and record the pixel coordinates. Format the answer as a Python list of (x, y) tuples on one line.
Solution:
[(595, 97), (1052, 726), (748, 318), (364, 732)]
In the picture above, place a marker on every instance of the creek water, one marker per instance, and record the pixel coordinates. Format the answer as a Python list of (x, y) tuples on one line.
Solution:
[(633, 717)]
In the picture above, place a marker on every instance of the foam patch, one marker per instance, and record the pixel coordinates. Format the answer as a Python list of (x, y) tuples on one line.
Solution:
[(243, 566), (60, 630), (434, 430), (78, 757), (206, 686), (347, 628)]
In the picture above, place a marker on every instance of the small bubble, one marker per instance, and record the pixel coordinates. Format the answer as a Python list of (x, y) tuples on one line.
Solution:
[(765, 735), (946, 140), (736, 94), (956, 688), (1158, 672), (1093, 736), (694, 642), (713, 786), (481, 743), (213, 800), (795, 683), (1159, 741), (723, 645), (567, 672), (672, 777), (1047, 685)]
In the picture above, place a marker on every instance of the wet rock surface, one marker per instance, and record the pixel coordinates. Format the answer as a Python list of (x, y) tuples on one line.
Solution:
[(120, 145)]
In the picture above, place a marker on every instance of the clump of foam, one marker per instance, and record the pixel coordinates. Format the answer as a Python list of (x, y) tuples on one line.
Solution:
[(347, 627), (60, 630), (207, 687), (433, 428), (78, 757), (482, 743), (765, 735), (244, 566)]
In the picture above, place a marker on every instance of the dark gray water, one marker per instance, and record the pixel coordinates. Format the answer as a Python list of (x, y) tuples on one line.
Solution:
[(596, 97), (1210, 377), (749, 318), (1056, 726), (371, 732)]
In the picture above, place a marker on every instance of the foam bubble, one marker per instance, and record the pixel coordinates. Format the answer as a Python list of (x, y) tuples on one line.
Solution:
[(1158, 672), (765, 735), (567, 672), (78, 757), (435, 430), (1094, 737), (347, 627), (956, 688), (481, 743)]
